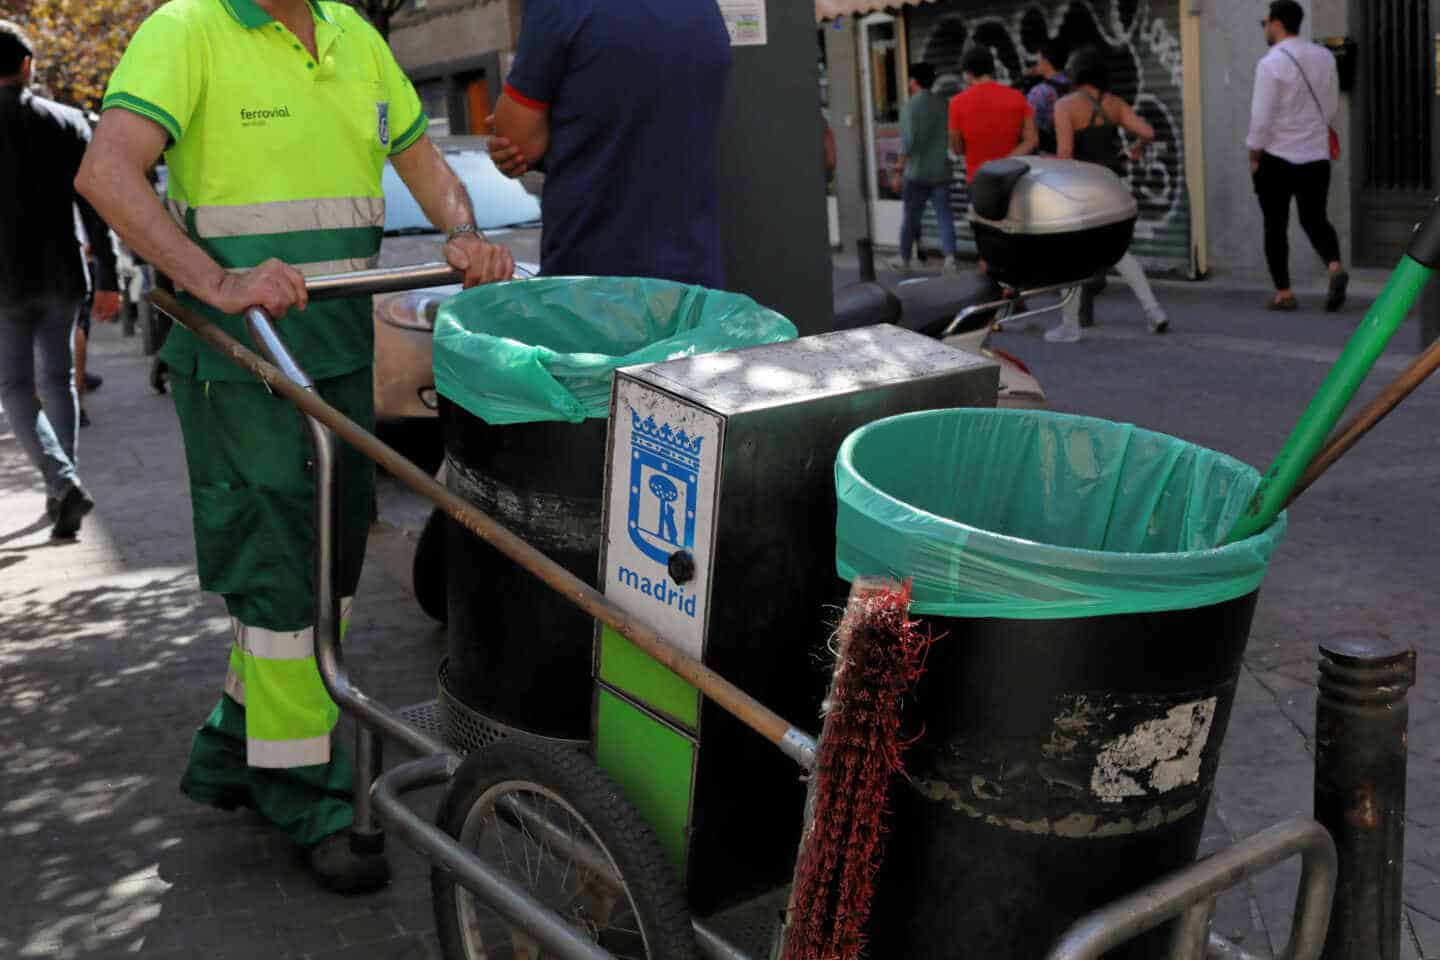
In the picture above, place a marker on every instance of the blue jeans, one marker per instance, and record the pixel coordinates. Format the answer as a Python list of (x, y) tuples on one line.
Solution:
[(914, 196), (36, 350)]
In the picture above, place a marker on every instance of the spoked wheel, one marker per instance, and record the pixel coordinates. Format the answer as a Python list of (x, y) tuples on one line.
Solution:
[(559, 829)]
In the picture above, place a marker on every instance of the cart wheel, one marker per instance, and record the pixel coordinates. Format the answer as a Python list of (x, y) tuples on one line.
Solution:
[(427, 573), (549, 820)]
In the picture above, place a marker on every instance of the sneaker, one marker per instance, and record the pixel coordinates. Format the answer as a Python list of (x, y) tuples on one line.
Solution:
[(898, 265), (337, 866), (1063, 333), (1155, 318), (951, 265), (71, 509)]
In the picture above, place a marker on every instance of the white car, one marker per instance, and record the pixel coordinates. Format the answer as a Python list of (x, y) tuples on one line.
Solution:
[(509, 213)]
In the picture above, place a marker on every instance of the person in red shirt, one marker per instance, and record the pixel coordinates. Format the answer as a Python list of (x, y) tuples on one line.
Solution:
[(989, 121)]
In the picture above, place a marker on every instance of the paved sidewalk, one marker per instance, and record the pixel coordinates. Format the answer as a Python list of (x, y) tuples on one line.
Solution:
[(109, 657)]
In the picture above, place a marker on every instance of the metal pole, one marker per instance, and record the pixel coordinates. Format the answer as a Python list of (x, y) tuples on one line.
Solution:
[(364, 283), (1091, 937), (865, 258), (366, 835), (1360, 728), (1191, 933)]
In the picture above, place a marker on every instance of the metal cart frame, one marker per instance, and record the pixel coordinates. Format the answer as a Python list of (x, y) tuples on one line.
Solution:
[(378, 802)]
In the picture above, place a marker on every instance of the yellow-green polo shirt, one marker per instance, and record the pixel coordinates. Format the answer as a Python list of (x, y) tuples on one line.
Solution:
[(273, 154)]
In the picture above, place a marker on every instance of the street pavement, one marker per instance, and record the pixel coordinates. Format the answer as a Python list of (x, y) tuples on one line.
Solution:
[(109, 655)]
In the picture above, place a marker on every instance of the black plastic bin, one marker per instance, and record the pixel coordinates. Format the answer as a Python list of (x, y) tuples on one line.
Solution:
[(517, 654), (1071, 715), (524, 371)]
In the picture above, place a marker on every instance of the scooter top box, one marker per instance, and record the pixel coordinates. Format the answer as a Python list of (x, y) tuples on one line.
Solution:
[(1040, 221)]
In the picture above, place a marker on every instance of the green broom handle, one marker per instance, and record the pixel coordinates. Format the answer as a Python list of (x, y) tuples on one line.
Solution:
[(1345, 377)]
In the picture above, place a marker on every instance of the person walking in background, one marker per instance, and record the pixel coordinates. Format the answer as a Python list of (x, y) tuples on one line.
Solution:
[(1053, 85), (1087, 128), (988, 121), (42, 277), (925, 167), (1297, 93)]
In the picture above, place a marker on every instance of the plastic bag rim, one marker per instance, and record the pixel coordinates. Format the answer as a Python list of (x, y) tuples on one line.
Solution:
[(844, 462)]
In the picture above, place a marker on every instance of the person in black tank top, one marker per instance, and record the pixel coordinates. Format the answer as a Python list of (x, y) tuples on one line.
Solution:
[(1099, 141), (1087, 128)]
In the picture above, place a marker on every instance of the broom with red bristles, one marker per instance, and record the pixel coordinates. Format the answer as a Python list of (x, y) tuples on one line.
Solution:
[(879, 655)]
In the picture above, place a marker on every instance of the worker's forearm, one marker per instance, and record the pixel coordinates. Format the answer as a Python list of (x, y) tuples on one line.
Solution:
[(128, 203), (434, 186)]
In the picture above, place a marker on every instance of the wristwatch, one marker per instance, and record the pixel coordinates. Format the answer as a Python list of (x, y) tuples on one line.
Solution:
[(463, 228)]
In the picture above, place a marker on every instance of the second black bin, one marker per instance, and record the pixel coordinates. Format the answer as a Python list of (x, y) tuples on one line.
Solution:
[(1090, 637)]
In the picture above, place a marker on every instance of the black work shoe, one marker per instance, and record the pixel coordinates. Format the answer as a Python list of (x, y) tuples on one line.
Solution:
[(93, 382), (84, 418), (71, 509), (52, 508), (1335, 296), (336, 864)]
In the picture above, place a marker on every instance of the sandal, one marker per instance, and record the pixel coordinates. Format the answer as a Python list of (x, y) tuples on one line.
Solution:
[(1283, 304)]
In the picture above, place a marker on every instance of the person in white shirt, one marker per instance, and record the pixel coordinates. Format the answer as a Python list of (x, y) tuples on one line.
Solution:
[(1296, 95)]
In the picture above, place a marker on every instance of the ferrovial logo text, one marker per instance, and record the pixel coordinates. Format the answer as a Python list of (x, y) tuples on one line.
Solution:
[(260, 117)]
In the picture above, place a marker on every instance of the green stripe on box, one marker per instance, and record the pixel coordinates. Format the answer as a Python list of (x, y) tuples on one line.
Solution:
[(630, 670), (300, 247), (654, 765)]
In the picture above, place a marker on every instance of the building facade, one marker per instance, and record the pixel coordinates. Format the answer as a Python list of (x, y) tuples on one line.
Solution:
[(456, 52), (1188, 66)]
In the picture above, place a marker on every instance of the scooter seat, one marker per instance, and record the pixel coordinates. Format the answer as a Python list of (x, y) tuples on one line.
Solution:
[(864, 305), (930, 305)]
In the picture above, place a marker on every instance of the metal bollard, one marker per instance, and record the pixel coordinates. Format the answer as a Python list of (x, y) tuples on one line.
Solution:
[(1360, 749), (865, 254)]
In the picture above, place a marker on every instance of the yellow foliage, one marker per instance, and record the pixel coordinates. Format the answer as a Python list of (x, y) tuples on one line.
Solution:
[(78, 42)]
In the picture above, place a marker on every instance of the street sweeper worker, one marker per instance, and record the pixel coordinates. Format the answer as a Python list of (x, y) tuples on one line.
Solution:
[(276, 118)]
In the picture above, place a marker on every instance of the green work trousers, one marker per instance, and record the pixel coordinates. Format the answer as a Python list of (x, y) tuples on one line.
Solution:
[(268, 743)]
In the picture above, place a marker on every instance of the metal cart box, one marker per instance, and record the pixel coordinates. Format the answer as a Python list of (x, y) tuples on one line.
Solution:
[(720, 531)]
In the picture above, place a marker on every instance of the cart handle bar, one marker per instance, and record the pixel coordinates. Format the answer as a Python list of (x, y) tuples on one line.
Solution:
[(792, 741), (363, 283), (1189, 894)]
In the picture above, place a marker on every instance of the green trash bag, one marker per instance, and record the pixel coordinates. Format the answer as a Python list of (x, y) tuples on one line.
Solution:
[(1026, 514), (545, 349)]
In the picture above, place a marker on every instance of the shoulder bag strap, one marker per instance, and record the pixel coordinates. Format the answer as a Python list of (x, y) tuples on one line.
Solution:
[(1323, 117)]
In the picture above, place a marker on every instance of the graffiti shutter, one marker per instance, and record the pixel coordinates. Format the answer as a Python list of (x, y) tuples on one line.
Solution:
[(1143, 37)]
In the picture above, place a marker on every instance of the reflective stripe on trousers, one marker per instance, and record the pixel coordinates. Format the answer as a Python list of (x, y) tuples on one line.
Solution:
[(288, 713)]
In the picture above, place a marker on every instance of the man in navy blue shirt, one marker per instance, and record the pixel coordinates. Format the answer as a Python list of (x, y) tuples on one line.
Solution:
[(620, 101)]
